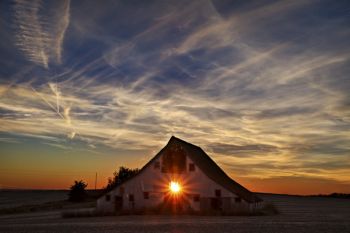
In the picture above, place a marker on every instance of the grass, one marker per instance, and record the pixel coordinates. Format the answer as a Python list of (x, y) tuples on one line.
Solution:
[(82, 213), (267, 209), (28, 201), (86, 208), (298, 214), (48, 206)]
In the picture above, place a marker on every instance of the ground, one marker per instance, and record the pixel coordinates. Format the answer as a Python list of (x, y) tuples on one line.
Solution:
[(16, 198), (298, 214)]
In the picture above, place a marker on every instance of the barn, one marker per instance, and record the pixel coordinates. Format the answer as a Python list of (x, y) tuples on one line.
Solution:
[(181, 177)]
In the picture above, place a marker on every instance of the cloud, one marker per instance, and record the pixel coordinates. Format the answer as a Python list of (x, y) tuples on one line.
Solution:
[(9, 140), (262, 104), (40, 33), (55, 90), (242, 150), (284, 112)]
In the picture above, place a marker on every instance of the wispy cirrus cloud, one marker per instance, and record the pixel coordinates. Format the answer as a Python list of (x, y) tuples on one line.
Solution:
[(40, 29), (263, 103)]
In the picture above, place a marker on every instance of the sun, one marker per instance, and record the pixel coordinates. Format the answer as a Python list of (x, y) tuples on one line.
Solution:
[(174, 187)]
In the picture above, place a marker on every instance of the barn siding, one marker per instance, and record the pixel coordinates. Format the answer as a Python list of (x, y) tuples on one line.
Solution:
[(156, 183)]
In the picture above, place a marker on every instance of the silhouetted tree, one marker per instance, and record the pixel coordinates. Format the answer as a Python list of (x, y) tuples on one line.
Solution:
[(77, 191), (120, 176)]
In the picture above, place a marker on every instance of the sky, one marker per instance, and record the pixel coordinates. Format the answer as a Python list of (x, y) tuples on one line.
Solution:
[(262, 86)]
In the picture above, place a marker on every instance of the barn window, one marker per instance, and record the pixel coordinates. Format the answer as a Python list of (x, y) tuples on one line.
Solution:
[(196, 198), (192, 168), (238, 199), (146, 195), (131, 197), (217, 192), (108, 197), (157, 165)]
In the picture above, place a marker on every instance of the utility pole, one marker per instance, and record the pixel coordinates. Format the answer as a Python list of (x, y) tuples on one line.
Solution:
[(95, 180)]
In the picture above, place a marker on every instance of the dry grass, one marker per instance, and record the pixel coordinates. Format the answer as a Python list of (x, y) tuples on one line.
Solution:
[(29, 201), (267, 209), (297, 214)]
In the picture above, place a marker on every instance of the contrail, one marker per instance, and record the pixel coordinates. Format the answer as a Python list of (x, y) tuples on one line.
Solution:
[(47, 102), (57, 98), (55, 90), (65, 117), (40, 29)]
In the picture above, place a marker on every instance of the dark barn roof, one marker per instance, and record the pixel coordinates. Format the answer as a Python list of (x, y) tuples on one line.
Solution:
[(208, 166), (213, 171)]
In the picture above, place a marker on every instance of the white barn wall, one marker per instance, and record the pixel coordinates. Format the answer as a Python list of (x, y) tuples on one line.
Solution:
[(157, 183)]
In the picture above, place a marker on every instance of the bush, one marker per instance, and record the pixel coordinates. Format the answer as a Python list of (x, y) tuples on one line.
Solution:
[(77, 191), (120, 176)]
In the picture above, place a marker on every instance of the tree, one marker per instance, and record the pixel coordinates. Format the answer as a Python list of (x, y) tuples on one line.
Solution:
[(77, 191), (120, 176)]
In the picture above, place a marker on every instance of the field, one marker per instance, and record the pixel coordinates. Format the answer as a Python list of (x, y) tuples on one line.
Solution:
[(298, 214), (10, 198)]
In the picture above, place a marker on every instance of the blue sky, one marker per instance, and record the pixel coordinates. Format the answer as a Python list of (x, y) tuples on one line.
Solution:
[(262, 86)]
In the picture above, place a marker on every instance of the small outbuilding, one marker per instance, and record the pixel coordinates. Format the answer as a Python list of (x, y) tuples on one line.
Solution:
[(181, 177)]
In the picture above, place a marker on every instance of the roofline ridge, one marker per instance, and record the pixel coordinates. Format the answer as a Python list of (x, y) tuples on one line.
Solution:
[(183, 141)]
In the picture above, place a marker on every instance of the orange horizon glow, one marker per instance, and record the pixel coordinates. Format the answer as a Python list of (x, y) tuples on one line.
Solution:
[(59, 171), (284, 185)]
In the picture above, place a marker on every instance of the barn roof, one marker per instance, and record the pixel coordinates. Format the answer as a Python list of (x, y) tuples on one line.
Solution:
[(213, 171), (208, 166)]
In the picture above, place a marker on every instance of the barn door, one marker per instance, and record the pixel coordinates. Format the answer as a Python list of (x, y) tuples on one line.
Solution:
[(118, 202), (216, 204)]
